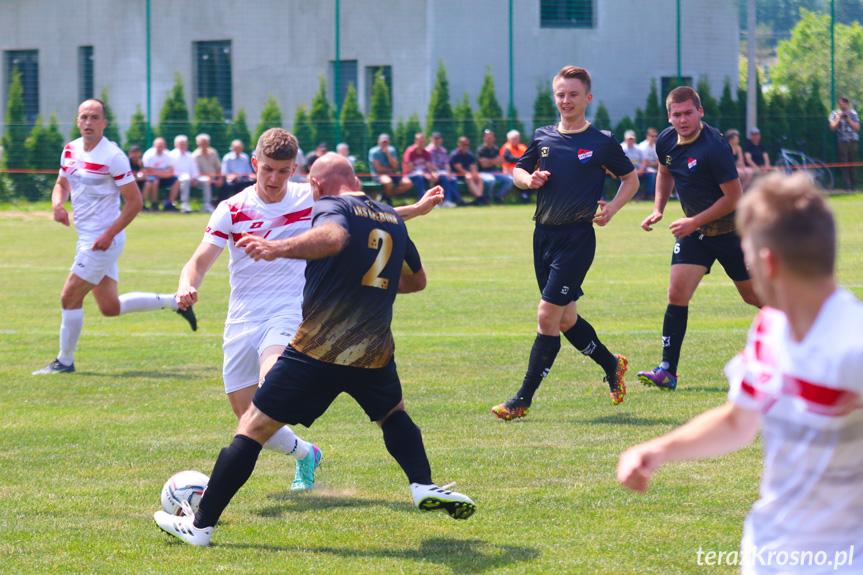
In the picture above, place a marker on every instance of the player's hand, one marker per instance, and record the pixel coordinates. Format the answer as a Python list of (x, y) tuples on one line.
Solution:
[(61, 215), (430, 199), (604, 215), (103, 242), (650, 220), (636, 465), (186, 296), (538, 179), (257, 248), (683, 227)]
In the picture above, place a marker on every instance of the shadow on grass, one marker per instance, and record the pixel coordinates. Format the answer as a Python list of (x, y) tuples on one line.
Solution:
[(201, 374), (625, 418), (294, 502)]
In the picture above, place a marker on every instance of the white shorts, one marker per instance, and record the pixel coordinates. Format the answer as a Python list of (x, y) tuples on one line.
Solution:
[(91, 265), (245, 342)]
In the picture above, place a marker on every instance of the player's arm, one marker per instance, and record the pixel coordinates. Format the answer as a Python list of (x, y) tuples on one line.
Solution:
[(525, 180), (720, 430), (319, 242), (625, 192), (133, 203), (59, 195), (430, 199), (664, 185), (192, 275), (411, 282), (731, 194)]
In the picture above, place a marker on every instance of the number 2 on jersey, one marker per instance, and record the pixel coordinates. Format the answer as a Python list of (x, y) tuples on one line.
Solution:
[(383, 242)]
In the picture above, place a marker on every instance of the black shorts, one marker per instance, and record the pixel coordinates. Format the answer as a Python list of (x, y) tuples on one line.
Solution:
[(561, 257), (299, 389), (703, 250)]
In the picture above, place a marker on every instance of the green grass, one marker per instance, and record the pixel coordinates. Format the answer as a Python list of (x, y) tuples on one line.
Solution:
[(83, 457)]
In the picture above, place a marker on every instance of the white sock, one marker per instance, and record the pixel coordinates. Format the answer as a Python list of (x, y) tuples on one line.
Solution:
[(146, 301), (70, 330), (286, 442)]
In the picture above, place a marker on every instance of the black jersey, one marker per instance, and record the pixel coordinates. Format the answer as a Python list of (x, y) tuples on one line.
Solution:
[(576, 161), (698, 168), (348, 298)]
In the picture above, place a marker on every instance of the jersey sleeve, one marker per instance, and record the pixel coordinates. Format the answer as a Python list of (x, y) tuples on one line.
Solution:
[(330, 209), (722, 165), (67, 151), (529, 159), (121, 169), (753, 380), (219, 227), (615, 160), (412, 258)]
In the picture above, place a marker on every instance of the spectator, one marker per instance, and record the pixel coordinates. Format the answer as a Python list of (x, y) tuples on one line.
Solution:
[(633, 152), (159, 168), (755, 155), (209, 170), (300, 172), (344, 150), (416, 165), (651, 161), (320, 150), (446, 179), (846, 123), (745, 172), (383, 163), (137, 164), (510, 152), (463, 164), (186, 170), (237, 169), (490, 166)]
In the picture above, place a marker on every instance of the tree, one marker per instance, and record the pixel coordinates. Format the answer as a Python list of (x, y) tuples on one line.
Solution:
[(321, 116), (271, 117), (728, 109), (209, 119), (513, 123), (353, 124), (240, 130), (544, 109), (44, 147), (112, 130), (655, 115), (817, 130), (774, 126), (381, 110), (441, 117), (708, 102), (464, 121), (601, 120), (136, 135), (174, 118), (15, 136), (303, 130), (489, 114), (401, 140), (620, 129)]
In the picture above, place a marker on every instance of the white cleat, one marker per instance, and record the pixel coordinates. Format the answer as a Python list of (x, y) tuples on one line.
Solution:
[(182, 527), (434, 498)]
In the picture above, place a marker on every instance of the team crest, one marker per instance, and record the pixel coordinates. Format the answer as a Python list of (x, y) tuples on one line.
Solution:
[(668, 161), (691, 164), (543, 152), (585, 155)]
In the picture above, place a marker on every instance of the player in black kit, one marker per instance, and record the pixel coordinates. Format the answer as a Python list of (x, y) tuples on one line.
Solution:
[(566, 164), (359, 256), (697, 160)]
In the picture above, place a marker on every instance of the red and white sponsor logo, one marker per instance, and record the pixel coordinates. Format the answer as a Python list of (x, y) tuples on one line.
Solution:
[(585, 155), (692, 163)]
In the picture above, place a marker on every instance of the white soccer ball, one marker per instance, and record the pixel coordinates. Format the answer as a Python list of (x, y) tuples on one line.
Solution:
[(185, 486)]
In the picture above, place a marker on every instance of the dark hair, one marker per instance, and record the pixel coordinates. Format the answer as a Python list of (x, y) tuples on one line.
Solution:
[(680, 95)]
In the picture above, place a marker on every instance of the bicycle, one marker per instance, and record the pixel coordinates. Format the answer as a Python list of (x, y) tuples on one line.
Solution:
[(792, 160)]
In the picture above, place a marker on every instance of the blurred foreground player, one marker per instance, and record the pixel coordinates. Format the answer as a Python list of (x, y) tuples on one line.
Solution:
[(359, 256), (800, 379)]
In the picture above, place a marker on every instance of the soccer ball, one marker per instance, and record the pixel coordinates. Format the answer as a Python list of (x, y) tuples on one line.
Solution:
[(185, 486)]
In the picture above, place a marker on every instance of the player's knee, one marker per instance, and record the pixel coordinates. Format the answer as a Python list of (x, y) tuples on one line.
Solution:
[(676, 296), (109, 309)]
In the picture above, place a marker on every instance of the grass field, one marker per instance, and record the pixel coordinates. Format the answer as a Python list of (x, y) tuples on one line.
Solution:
[(83, 457)]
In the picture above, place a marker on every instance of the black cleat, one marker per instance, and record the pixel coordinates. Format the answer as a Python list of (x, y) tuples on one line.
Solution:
[(189, 315), (55, 367)]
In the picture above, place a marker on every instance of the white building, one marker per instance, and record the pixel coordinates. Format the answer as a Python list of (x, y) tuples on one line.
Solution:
[(243, 52)]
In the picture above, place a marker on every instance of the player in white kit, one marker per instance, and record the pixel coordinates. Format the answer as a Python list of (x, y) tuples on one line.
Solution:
[(800, 379), (264, 309), (95, 173)]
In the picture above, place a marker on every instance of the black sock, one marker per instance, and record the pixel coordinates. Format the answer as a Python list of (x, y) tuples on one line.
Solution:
[(542, 356), (233, 468), (583, 337), (673, 330), (404, 441)]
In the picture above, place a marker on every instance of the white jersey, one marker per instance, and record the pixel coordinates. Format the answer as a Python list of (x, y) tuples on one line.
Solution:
[(94, 178), (262, 290), (809, 394)]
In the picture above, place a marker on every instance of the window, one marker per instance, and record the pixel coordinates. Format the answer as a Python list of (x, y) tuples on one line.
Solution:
[(26, 62), (85, 73), (213, 73), (347, 75), (566, 14), (669, 83), (371, 73)]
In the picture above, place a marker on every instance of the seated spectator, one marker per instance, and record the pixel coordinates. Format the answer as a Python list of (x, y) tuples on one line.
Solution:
[(446, 179), (384, 165), (745, 172), (209, 170), (344, 150), (633, 152), (186, 170), (490, 166), (159, 169), (320, 150), (137, 163), (301, 173), (463, 164), (754, 153), (510, 153), (237, 169), (416, 165), (651, 162)]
